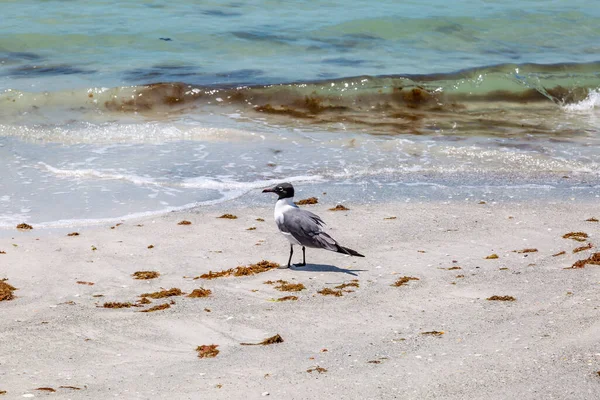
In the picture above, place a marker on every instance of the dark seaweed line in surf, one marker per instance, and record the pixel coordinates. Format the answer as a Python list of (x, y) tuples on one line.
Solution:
[(388, 105), (303, 99), (379, 105)]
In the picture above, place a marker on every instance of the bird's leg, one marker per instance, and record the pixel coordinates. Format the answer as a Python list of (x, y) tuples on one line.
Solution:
[(303, 256), (291, 252)]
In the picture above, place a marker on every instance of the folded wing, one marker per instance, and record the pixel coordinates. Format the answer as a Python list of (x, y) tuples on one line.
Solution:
[(305, 227)]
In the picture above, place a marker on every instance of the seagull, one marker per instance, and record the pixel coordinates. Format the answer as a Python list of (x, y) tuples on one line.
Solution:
[(302, 227)]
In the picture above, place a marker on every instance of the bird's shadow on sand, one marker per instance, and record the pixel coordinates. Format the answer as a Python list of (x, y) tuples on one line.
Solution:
[(325, 268)]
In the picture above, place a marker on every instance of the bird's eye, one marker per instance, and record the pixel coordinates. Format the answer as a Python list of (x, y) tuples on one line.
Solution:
[(280, 188)]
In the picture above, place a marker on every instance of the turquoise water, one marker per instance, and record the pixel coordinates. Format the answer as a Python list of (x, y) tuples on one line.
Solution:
[(57, 45), (109, 110)]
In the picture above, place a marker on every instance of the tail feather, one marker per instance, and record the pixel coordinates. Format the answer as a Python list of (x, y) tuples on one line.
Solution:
[(348, 251)]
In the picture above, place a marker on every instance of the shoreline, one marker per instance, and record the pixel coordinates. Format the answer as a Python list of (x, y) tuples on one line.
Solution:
[(362, 194), (381, 341)]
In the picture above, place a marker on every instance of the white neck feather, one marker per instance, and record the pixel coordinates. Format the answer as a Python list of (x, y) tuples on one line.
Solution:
[(282, 205), (288, 201)]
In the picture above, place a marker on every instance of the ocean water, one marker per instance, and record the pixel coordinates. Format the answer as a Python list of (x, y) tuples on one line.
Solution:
[(110, 110)]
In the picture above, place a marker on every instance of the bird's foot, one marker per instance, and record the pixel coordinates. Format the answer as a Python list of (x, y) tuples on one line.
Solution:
[(300, 265)]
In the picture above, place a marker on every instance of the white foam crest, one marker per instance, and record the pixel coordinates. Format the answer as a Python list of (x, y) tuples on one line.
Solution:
[(200, 182), (108, 175), (591, 102), (11, 220), (203, 182), (503, 160), (111, 133), (357, 171)]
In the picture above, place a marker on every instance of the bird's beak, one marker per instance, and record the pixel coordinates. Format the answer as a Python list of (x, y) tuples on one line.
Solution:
[(269, 190)]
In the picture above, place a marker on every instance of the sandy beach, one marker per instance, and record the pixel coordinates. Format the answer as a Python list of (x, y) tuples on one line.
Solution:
[(434, 337)]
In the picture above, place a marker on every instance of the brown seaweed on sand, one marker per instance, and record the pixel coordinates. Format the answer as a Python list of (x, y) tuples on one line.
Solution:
[(287, 298), (492, 256), (252, 269), (46, 389), (6, 291), (184, 222), (318, 369), (159, 307), (85, 283), (583, 248), (339, 207), (144, 300), (501, 298), (207, 351), (285, 286), (290, 287), (163, 293), (73, 234), (526, 251), (116, 304), (560, 253), (404, 280), (228, 216), (592, 219), (145, 275), (345, 285), (433, 333), (215, 275), (196, 293), (70, 387), (310, 200), (330, 292), (594, 259), (24, 227), (267, 341), (578, 236)]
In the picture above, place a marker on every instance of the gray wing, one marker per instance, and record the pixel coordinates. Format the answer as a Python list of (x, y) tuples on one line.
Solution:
[(305, 227)]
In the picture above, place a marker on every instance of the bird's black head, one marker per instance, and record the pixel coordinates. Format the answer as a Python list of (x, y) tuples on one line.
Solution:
[(284, 190)]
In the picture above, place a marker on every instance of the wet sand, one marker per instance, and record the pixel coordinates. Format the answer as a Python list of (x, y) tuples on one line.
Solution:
[(433, 337)]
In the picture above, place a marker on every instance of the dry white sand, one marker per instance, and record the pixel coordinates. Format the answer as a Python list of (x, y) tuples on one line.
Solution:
[(370, 341)]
